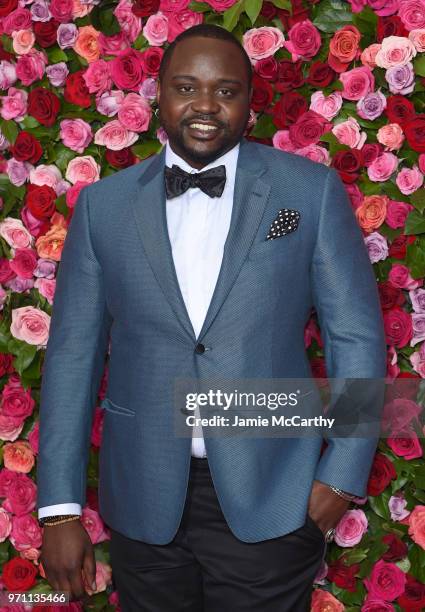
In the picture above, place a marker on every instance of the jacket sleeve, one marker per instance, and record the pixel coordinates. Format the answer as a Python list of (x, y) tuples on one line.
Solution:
[(73, 366), (346, 299)]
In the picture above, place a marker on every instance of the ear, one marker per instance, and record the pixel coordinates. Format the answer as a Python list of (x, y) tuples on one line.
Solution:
[(158, 90)]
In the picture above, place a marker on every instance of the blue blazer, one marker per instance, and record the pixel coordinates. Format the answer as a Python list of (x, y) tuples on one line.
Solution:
[(117, 280)]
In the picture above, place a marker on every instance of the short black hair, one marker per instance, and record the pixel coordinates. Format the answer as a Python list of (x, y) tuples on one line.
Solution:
[(205, 30)]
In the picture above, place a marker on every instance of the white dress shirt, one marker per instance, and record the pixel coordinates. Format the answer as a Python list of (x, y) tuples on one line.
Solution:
[(197, 227)]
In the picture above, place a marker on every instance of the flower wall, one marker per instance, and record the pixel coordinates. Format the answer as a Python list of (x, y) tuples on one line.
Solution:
[(341, 82)]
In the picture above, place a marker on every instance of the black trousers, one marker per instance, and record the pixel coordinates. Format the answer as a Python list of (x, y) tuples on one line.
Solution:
[(207, 569)]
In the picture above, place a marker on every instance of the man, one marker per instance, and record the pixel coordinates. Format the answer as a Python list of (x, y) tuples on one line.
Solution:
[(179, 272)]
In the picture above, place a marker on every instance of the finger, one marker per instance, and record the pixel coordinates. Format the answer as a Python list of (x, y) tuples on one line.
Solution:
[(62, 584), (76, 582), (89, 569)]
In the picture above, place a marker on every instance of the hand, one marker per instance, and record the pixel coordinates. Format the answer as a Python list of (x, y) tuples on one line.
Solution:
[(68, 560), (325, 507)]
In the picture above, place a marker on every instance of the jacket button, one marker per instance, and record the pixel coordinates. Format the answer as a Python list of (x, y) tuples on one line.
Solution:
[(199, 348)]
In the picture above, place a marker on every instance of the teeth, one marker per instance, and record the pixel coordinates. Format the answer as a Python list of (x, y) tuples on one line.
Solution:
[(200, 126)]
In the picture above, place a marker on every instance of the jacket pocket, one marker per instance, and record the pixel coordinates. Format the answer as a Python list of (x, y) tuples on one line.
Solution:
[(110, 406)]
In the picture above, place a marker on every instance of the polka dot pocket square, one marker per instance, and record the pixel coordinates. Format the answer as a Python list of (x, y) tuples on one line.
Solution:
[(286, 221)]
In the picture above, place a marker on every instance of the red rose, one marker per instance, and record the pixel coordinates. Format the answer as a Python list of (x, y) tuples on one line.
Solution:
[(26, 148), (267, 68), (320, 75), (405, 443), (268, 10), (407, 385), (298, 13), (398, 327), (370, 152), (19, 574), (399, 109), (45, 32), (24, 262), (120, 159), (145, 8), (288, 109), (348, 163), (127, 70), (76, 91), (397, 549), (6, 363), (7, 6), (151, 60), (413, 598), (44, 105), (390, 26), (262, 94), (265, 141), (308, 129), (343, 575), (414, 130), (289, 76), (390, 296), (40, 200), (398, 246), (381, 474), (6, 271)]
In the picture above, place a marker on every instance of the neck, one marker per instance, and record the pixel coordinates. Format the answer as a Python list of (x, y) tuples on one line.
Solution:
[(197, 163)]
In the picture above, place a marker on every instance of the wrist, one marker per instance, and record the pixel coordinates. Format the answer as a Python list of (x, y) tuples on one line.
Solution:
[(57, 519)]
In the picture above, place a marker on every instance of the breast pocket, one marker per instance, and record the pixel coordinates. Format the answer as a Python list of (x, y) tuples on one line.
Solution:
[(110, 406), (279, 247)]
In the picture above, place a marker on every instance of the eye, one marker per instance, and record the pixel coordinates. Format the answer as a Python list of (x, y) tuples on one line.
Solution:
[(226, 92), (185, 88)]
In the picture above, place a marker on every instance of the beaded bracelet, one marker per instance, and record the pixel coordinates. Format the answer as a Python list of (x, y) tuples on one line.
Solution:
[(51, 520)]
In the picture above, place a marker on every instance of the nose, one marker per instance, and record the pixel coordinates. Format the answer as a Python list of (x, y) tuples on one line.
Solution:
[(205, 103)]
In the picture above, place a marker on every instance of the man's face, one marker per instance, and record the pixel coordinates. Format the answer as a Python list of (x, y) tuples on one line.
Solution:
[(204, 99)]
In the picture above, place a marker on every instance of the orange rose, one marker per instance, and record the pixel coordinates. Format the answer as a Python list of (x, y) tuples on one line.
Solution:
[(343, 47), (18, 456), (87, 44), (50, 245), (372, 212), (417, 525), (323, 601)]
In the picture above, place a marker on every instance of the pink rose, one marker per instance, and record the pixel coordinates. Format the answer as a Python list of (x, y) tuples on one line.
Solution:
[(409, 180), (412, 14), (308, 129), (382, 167), (351, 528), (5, 524), (16, 401), (357, 82), (62, 10), (109, 102), (19, 19), (46, 287), (386, 581), (156, 29), (46, 174), (7, 74), (75, 134), (103, 577), (398, 327), (377, 605), (7, 477), (282, 141), (349, 133), (316, 153), (94, 525), (221, 5), (399, 276), (24, 263), (14, 104), (115, 136), (25, 533), (135, 113), (33, 437), (418, 39), (130, 24), (97, 77), (391, 136), (10, 427), (18, 456), (180, 21), (73, 192), (31, 325), (405, 444), (323, 601), (328, 106), (97, 428), (84, 168), (397, 213), (263, 42), (21, 495), (304, 40), (417, 525), (395, 51), (30, 67), (23, 41)]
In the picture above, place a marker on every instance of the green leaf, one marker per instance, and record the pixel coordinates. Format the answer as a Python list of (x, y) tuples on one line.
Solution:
[(379, 504), (29, 122), (253, 8), (199, 7), (56, 55), (9, 129), (419, 65), (147, 148), (366, 21), (24, 357), (419, 477), (415, 223), (333, 15), (231, 16), (417, 559), (4, 552), (417, 199), (283, 4), (264, 128), (415, 260)]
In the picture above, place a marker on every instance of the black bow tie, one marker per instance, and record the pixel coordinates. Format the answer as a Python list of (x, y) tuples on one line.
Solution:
[(211, 182)]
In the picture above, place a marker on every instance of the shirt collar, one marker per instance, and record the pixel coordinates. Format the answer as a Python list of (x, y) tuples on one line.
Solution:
[(229, 159)]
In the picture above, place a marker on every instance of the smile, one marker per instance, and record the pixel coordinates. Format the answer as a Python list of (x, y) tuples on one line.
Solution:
[(203, 127)]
